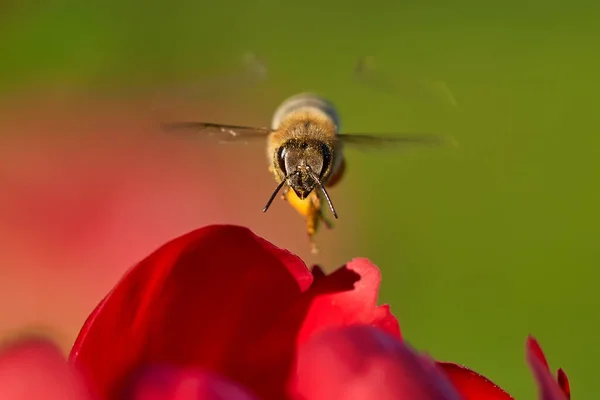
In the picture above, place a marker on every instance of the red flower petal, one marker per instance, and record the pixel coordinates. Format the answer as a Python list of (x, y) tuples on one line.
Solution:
[(36, 369), (549, 389), (169, 384), (336, 304), (471, 385), (238, 311), (204, 300), (365, 363), (328, 303), (534, 350)]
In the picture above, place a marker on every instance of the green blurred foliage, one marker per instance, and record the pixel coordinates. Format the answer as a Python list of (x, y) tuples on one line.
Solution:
[(479, 245)]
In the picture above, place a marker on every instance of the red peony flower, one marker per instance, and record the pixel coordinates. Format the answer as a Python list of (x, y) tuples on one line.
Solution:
[(220, 313), (549, 389), (222, 299)]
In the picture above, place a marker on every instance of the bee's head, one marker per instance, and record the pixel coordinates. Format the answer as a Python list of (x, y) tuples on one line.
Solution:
[(303, 163)]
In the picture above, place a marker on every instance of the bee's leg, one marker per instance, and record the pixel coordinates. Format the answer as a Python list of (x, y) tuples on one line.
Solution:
[(328, 224), (312, 224), (313, 247), (312, 221), (284, 193), (317, 204), (311, 229)]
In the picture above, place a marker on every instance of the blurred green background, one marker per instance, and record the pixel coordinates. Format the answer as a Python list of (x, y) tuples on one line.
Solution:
[(479, 245)]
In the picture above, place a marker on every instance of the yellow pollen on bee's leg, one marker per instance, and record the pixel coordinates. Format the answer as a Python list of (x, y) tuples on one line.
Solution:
[(305, 207), (310, 209), (311, 229), (312, 224)]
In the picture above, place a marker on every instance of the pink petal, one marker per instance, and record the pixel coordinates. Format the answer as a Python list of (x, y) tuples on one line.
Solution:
[(471, 385), (36, 369), (365, 363), (357, 304), (548, 387), (188, 384)]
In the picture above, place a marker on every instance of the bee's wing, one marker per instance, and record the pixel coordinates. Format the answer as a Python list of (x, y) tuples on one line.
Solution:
[(413, 88), (218, 132), (372, 141), (250, 71)]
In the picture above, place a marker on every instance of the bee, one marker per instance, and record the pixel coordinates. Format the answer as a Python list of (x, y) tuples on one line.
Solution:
[(305, 152)]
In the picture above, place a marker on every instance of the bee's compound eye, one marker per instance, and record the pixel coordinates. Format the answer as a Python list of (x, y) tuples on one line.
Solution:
[(281, 159), (326, 151)]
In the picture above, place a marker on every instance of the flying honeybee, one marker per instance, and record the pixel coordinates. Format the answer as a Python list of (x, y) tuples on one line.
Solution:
[(305, 152)]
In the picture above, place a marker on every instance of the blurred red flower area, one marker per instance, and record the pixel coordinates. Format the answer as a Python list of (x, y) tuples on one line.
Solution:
[(220, 313), (91, 185)]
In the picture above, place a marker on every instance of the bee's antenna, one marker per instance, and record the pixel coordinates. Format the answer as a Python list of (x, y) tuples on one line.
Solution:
[(316, 178), (283, 181)]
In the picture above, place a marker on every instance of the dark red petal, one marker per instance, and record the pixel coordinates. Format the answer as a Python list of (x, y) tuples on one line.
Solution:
[(471, 385), (190, 384), (365, 363), (547, 386), (345, 297), (203, 299), (36, 369), (563, 382)]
